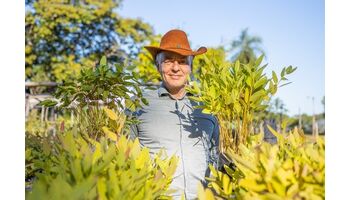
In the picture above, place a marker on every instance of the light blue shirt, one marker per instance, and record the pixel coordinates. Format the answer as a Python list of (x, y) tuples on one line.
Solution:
[(182, 131)]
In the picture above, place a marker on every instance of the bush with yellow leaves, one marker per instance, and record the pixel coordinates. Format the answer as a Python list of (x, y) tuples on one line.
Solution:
[(79, 167), (294, 168)]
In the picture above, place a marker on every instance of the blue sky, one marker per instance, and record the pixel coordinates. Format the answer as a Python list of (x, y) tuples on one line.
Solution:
[(293, 33)]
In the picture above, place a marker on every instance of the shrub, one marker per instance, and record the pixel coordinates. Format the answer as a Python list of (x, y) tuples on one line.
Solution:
[(108, 86), (93, 159), (79, 167), (294, 168), (233, 93)]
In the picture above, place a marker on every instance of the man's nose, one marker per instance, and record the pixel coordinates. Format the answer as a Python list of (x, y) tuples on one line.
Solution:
[(176, 66)]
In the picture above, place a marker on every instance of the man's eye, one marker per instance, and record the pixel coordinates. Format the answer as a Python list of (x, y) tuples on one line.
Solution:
[(182, 62)]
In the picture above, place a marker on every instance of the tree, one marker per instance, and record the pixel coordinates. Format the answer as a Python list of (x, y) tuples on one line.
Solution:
[(144, 65), (245, 47), (214, 57), (64, 35)]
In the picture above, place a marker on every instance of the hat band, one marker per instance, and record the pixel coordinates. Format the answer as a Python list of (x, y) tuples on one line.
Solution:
[(174, 48)]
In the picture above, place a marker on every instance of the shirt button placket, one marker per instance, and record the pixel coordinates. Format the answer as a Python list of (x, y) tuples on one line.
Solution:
[(177, 106)]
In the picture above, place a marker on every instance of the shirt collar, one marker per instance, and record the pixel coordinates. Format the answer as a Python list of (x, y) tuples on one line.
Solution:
[(162, 91)]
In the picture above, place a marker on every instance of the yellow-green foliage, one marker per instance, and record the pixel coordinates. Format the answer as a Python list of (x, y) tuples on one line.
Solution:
[(73, 165), (64, 36), (294, 168), (211, 59), (204, 193), (34, 125), (233, 93), (144, 65), (104, 170), (38, 135)]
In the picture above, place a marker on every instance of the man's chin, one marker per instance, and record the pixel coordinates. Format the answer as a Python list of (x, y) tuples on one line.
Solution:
[(175, 85)]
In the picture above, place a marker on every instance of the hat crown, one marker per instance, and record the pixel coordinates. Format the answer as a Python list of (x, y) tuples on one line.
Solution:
[(175, 39)]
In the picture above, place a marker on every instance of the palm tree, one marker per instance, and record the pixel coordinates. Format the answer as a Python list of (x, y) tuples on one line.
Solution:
[(246, 46)]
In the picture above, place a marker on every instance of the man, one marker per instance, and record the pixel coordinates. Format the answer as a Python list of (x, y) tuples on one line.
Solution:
[(170, 121)]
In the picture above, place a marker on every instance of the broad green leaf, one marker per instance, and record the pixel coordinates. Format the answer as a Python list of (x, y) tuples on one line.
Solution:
[(278, 135), (260, 82), (237, 66), (206, 111), (244, 162), (144, 101), (111, 114), (111, 135), (274, 76), (48, 103), (246, 95), (229, 171), (237, 107), (251, 185), (130, 105), (249, 81), (216, 187), (101, 188), (258, 61), (256, 95), (226, 184), (278, 187), (103, 61), (283, 72)]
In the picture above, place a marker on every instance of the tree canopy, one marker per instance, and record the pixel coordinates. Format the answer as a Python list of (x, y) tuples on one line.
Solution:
[(64, 35), (246, 46)]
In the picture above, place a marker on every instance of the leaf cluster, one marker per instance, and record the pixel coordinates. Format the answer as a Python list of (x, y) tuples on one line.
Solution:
[(75, 166), (101, 170), (64, 36), (113, 88), (234, 93), (294, 168), (103, 86)]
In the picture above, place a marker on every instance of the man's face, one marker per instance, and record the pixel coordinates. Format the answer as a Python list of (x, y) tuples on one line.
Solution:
[(175, 70)]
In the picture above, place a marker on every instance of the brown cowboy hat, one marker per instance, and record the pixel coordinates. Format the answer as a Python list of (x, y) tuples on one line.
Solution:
[(175, 41)]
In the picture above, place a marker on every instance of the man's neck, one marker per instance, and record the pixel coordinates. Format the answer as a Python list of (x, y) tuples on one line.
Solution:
[(177, 93)]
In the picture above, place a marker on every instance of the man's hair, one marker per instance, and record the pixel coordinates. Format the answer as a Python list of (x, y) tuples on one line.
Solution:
[(161, 57)]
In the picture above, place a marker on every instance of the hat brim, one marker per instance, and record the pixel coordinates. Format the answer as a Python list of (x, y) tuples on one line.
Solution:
[(184, 52)]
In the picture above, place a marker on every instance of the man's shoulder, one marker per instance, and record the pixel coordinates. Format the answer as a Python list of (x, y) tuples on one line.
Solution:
[(150, 94)]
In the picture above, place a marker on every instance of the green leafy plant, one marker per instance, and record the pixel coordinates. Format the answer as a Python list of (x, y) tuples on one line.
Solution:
[(294, 168), (91, 99), (205, 193), (38, 135), (103, 170), (104, 85), (233, 94), (113, 167)]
